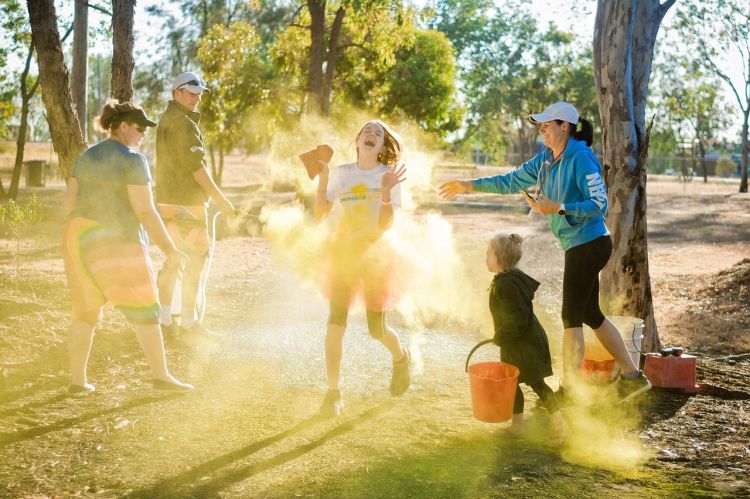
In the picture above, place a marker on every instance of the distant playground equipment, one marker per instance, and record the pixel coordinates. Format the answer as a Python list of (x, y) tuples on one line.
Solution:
[(598, 365), (672, 368), (493, 388)]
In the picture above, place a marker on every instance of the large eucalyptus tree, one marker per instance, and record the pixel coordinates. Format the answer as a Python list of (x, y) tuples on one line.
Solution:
[(624, 37)]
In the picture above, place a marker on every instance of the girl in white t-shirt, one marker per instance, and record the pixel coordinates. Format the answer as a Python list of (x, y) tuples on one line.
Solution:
[(360, 198)]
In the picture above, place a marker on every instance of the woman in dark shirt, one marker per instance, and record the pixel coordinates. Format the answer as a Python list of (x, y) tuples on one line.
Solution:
[(109, 203)]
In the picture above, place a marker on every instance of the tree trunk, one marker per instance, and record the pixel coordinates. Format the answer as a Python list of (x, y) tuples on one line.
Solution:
[(333, 54), (221, 166), (123, 12), (624, 38), (53, 76), (79, 70), (745, 150), (26, 95), (704, 167), (317, 10)]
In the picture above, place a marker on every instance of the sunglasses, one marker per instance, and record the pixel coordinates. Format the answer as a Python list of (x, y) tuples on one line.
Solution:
[(140, 128), (191, 83)]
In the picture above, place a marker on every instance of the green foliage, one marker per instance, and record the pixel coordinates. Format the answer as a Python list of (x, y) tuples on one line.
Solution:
[(15, 220), (463, 21), (422, 83), (717, 32), (725, 167), (233, 66), (371, 35), (14, 36), (419, 86), (510, 68), (689, 101)]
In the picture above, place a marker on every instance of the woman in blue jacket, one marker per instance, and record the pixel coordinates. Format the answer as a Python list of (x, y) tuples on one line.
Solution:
[(569, 189)]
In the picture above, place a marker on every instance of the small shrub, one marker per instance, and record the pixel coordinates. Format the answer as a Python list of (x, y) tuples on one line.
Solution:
[(725, 167), (15, 220)]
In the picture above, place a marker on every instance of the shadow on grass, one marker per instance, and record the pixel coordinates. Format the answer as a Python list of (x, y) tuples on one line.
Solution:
[(17, 436), (33, 405), (184, 484), (492, 466)]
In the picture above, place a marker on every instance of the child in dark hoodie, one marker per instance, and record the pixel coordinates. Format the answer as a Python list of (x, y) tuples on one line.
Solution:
[(521, 338)]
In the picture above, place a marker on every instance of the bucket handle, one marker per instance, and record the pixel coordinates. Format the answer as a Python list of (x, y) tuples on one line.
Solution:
[(481, 343)]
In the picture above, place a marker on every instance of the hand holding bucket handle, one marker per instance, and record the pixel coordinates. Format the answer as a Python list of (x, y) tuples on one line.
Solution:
[(476, 347)]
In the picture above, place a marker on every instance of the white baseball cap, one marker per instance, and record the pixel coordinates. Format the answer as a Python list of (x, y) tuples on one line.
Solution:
[(558, 111), (190, 82)]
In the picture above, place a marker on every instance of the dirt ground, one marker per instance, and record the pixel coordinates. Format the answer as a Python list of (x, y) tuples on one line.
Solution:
[(250, 430)]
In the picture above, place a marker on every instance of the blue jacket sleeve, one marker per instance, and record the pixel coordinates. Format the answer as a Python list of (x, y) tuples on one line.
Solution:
[(522, 177), (591, 185)]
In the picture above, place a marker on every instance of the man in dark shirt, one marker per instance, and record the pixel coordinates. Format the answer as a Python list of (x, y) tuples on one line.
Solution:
[(183, 189)]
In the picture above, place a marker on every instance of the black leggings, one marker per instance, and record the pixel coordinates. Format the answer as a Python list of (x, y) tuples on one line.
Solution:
[(581, 283), (545, 393)]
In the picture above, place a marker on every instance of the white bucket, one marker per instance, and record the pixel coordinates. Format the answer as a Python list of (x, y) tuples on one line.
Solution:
[(631, 330)]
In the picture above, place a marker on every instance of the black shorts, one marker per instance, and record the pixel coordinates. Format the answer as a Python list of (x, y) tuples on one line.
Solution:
[(581, 283)]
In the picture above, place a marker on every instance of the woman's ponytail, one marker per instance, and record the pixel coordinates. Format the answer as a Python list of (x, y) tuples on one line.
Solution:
[(586, 133)]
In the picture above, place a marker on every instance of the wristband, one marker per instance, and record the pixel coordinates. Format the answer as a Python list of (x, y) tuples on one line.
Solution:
[(385, 203)]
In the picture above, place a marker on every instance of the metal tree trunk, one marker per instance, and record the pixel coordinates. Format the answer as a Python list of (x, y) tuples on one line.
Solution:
[(53, 76), (624, 39), (123, 12), (79, 67)]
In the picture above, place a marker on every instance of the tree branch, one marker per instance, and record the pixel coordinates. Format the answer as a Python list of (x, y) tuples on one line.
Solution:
[(301, 26), (67, 34), (100, 9), (358, 45), (663, 8), (721, 74)]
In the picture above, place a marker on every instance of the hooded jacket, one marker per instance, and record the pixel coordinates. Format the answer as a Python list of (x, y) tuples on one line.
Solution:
[(574, 180), (521, 338)]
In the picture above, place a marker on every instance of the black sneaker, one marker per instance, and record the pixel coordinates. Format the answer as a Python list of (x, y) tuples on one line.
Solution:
[(562, 401), (332, 404), (400, 378), (629, 388)]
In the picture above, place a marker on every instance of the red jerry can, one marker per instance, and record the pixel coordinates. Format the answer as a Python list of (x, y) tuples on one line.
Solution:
[(671, 371)]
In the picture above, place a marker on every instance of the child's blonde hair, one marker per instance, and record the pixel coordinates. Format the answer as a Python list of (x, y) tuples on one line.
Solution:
[(507, 249)]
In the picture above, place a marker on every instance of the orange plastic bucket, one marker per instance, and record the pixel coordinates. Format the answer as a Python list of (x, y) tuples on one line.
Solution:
[(493, 388), (598, 372)]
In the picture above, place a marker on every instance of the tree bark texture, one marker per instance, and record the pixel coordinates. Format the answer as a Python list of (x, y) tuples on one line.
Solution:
[(331, 59), (65, 131), (745, 149), (624, 38), (79, 69), (123, 12), (317, 10)]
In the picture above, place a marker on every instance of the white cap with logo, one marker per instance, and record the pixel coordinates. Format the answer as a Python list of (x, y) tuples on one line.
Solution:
[(558, 111), (190, 82)]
